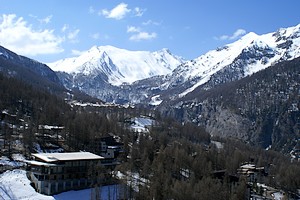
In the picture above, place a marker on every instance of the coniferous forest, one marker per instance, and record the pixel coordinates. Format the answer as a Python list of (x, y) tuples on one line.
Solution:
[(172, 161)]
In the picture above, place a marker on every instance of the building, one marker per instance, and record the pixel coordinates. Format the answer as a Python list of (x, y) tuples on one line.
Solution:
[(52, 173), (252, 172), (110, 148)]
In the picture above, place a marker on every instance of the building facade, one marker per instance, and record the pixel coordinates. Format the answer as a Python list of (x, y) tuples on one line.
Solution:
[(53, 173)]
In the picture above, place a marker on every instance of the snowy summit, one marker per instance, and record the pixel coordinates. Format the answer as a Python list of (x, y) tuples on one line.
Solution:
[(251, 54), (119, 65)]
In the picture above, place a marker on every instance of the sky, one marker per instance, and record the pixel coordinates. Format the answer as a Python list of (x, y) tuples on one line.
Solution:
[(49, 30)]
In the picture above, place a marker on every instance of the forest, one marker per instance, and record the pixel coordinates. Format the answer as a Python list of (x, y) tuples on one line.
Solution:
[(262, 109), (174, 160)]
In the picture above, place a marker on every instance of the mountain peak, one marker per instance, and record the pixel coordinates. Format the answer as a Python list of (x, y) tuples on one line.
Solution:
[(119, 65), (165, 50), (248, 55)]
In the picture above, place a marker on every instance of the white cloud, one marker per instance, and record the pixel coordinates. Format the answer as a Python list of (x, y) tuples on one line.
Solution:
[(133, 29), (118, 12), (64, 28), (33, 16), (139, 11), (46, 20), (143, 36), (150, 22), (18, 36), (70, 34), (91, 10), (238, 33), (73, 36), (140, 35)]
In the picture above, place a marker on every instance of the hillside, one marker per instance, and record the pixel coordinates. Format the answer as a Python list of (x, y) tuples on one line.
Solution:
[(30, 71), (262, 109)]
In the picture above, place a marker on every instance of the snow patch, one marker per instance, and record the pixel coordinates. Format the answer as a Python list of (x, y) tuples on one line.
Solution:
[(15, 185), (155, 100)]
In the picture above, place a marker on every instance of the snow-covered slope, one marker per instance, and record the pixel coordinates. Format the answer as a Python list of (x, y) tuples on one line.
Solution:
[(119, 65), (236, 60), (14, 185)]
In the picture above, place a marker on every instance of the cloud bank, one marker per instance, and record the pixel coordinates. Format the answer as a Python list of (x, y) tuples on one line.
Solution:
[(20, 37)]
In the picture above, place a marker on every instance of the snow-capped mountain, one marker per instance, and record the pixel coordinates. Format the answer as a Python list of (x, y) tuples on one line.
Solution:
[(118, 65), (102, 71), (236, 60)]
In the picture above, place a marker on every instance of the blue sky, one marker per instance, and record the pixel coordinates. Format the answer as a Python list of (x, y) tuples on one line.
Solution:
[(48, 30)]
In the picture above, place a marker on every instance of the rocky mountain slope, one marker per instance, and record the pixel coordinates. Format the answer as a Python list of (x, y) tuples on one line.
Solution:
[(262, 109), (37, 75), (234, 61), (28, 70)]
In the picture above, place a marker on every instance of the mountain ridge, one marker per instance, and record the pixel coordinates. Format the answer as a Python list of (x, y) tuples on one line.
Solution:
[(30, 71), (119, 65), (186, 92), (262, 109), (245, 56), (114, 80)]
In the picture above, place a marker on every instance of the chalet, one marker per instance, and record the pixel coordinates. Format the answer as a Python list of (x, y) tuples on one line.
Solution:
[(50, 133), (52, 173), (110, 148)]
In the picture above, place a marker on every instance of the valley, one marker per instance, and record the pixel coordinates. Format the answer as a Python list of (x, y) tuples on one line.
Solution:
[(163, 127)]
